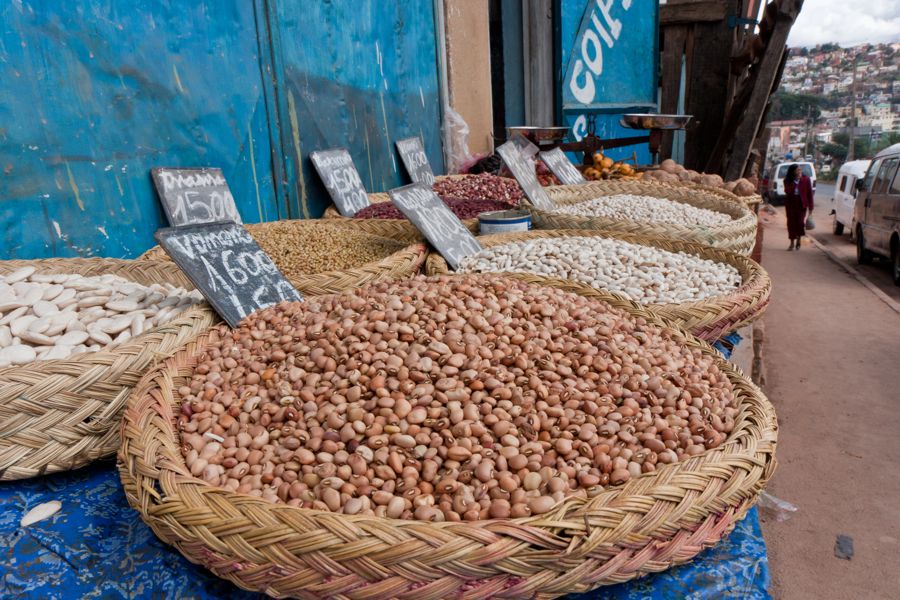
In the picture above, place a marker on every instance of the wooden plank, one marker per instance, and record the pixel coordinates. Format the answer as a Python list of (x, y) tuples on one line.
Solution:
[(537, 38), (762, 88), (695, 12), (672, 61), (708, 97)]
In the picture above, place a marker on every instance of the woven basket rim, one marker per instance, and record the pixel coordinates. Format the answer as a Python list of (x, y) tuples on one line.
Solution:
[(125, 357), (719, 314), (158, 485), (405, 261)]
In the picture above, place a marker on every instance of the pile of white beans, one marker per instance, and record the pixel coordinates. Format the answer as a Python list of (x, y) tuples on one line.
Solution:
[(45, 317), (646, 209), (642, 273)]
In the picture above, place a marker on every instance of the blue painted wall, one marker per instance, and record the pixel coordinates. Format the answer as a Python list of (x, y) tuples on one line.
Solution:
[(610, 69), (360, 75), (96, 92)]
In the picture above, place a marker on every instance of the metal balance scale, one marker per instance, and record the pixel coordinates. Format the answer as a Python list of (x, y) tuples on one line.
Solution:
[(656, 124)]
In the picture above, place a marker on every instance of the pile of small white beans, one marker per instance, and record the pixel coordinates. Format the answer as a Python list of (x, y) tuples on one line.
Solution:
[(643, 273), (45, 317), (646, 209)]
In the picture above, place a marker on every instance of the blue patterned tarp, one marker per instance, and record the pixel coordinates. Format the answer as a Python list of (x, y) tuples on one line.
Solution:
[(96, 546)]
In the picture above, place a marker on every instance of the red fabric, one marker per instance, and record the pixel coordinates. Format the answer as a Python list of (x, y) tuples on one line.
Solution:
[(799, 200), (805, 191)]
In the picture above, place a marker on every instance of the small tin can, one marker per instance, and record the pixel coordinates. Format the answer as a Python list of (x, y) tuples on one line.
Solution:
[(504, 221)]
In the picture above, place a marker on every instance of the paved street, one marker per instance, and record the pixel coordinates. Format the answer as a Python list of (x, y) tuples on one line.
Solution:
[(844, 248), (831, 351)]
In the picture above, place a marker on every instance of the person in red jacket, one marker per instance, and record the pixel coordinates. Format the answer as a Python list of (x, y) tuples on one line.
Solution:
[(798, 204)]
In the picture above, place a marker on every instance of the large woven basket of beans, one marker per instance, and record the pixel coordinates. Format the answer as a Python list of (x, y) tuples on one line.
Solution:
[(465, 195), (323, 257), (449, 437), (650, 209), (722, 192), (707, 291), (75, 336)]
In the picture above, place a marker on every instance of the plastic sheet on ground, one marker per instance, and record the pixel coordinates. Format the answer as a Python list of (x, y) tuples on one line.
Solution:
[(96, 546)]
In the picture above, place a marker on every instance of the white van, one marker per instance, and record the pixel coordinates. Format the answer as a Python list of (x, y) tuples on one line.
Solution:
[(845, 194), (776, 182)]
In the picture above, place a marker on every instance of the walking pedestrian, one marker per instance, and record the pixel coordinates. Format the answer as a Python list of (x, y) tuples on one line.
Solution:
[(797, 204)]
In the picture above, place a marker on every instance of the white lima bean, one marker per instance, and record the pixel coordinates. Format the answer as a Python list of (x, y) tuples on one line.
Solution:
[(646, 209), (47, 317), (642, 273)]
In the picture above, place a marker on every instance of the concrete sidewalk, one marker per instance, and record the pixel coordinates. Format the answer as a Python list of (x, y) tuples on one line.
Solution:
[(832, 356)]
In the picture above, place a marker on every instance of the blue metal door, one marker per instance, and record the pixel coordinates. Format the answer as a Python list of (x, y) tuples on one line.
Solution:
[(359, 74), (93, 94), (608, 66)]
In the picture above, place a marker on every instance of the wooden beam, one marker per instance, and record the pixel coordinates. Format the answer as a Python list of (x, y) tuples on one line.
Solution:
[(762, 88), (695, 12), (672, 61)]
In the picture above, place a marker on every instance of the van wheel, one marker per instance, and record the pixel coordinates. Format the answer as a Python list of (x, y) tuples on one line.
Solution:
[(895, 262), (863, 256), (837, 228)]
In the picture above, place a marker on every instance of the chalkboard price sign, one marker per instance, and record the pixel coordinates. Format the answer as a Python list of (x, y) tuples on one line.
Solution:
[(222, 259), (341, 178), (414, 159), (523, 170), (436, 222), (191, 196), (562, 167)]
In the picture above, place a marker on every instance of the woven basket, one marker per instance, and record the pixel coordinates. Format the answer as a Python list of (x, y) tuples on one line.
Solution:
[(402, 263), (655, 521), (737, 235), (750, 201), (57, 415), (709, 319)]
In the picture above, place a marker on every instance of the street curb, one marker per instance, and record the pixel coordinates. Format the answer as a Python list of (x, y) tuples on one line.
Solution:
[(895, 306)]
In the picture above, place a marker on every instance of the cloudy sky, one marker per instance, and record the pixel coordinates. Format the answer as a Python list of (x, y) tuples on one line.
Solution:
[(847, 22)]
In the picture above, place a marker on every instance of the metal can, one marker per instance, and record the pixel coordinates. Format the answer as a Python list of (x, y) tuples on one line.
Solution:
[(504, 221)]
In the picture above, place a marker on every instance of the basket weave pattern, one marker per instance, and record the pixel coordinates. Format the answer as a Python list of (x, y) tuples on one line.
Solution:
[(709, 319), (737, 235), (403, 263), (647, 525), (57, 415)]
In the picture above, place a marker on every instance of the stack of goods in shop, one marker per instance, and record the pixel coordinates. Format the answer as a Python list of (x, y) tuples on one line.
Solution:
[(707, 291), (75, 337), (673, 173), (323, 257), (520, 412), (605, 167), (639, 207)]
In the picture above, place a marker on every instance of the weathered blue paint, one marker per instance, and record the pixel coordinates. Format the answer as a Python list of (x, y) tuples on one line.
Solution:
[(93, 94), (608, 65), (358, 74)]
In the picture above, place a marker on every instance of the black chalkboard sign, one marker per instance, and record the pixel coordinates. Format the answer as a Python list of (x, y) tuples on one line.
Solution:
[(224, 262), (414, 159), (562, 167), (191, 196), (436, 222), (523, 170), (341, 178)]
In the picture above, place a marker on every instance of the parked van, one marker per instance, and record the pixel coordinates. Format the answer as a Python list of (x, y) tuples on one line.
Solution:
[(845, 194), (776, 182), (877, 211)]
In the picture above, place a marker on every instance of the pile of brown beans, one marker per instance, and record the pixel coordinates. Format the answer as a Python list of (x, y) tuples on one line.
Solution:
[(446, 398), (308, 247), (461, 207), (483, 186)]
